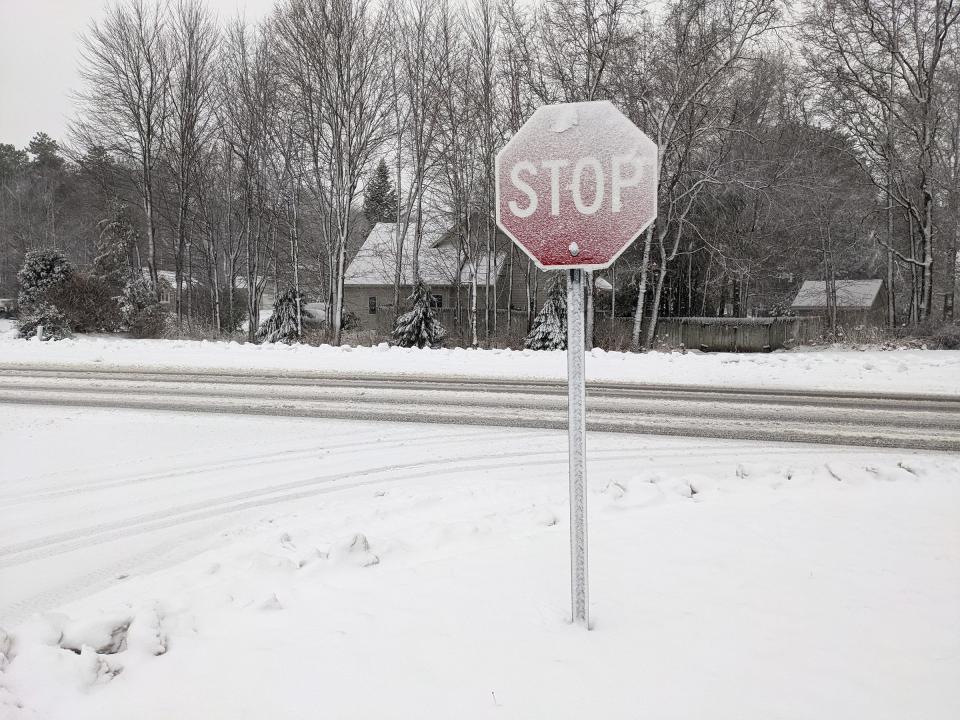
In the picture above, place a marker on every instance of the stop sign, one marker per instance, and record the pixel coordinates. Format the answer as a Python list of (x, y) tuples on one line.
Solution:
[(576, 185)]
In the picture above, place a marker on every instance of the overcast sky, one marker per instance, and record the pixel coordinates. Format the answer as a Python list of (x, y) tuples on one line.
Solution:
[(38, 60)]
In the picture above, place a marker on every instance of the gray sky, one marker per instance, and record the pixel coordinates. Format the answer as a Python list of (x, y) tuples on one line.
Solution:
[(39, 54)]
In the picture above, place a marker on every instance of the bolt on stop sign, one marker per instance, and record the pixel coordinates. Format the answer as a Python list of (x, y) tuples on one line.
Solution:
[(576, 185)]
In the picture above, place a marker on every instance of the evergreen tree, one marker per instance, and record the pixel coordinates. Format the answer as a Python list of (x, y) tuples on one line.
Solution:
[(45, 151), (42, 271), (117, 235), (419, 327), (549, 330), (282, 325), (380, 199)]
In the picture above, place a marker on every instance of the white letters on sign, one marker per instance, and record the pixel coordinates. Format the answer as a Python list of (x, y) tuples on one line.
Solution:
[(587, 182), (527, 167)]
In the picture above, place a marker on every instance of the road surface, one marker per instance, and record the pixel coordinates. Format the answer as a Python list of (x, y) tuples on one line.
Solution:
[(925, 422)]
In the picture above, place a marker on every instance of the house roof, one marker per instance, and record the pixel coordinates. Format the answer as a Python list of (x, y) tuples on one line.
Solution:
[(851, 294), (375, 262)]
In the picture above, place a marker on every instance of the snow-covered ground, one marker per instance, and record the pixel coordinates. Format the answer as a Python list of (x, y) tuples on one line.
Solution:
[(905, 371), (165, 565)]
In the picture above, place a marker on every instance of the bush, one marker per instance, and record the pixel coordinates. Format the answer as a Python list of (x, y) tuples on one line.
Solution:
[(948, 338), (934, 333), (88, 304), (351, 321), (140, 310), (54, 322)]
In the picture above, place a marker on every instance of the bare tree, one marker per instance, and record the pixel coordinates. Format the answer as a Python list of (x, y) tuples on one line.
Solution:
[(125, 65), (878, 65), (680, 93), (334, 59), (249, 109), (192, 52)]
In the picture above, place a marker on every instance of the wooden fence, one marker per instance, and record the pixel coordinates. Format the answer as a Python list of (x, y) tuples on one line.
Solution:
[(737, 334)]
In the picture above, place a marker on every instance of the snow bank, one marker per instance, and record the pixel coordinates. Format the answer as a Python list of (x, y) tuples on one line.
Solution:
[(907, 371), (427, 575)]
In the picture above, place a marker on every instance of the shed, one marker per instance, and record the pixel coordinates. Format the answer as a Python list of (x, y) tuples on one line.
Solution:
[(859, 302)]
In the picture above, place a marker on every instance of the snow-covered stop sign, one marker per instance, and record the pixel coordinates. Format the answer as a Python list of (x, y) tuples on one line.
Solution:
[(576, 185)]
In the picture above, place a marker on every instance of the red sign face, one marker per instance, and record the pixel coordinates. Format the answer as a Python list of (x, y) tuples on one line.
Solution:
[(576, 185)]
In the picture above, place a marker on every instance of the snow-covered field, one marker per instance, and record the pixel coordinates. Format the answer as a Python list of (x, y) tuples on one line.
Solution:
[(905, 371), (203, 566)]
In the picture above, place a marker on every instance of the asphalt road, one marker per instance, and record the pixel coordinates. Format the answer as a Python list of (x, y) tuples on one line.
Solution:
[(880, 420)]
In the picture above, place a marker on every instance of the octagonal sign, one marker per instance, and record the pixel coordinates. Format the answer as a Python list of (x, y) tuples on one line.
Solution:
[(576, 185)]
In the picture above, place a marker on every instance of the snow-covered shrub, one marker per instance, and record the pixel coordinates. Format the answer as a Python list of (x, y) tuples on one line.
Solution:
[(282, 325), (88, 303), (42, 271), (140, 309), (419, 327), (54, 322), (549, 331)]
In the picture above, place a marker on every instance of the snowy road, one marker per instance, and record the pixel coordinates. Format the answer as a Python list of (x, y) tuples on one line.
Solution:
[(919, 421), (729, 579)]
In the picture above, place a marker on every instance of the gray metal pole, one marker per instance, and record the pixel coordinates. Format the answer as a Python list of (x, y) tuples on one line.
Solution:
[(576, 402)]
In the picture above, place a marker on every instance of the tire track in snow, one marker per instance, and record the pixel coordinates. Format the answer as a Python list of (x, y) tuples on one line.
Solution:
[(302, 453), (20, 553)]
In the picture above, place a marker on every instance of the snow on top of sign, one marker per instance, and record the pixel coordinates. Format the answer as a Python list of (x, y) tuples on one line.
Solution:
[(564, 119)]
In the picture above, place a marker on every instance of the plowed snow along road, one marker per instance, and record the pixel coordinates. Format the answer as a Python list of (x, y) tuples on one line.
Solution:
[(926, 422)]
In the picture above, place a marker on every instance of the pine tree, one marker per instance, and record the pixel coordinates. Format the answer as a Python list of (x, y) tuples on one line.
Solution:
[(42, 274), (117, 236), (282, 325), (419, 327), (45, 151), (549, 330), (380, 199)]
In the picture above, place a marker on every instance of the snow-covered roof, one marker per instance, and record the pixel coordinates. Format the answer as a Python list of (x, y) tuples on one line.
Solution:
[(602, 285), (850, 294), (375, 261)]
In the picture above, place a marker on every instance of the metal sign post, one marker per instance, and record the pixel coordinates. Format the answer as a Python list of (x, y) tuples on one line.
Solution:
[(577, 429), (575, 187)]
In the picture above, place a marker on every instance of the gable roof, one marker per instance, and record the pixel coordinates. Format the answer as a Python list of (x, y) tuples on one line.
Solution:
[(375, 261), (851, 294)]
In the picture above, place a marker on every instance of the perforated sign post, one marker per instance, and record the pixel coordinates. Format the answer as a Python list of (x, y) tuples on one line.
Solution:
[(575, 187)]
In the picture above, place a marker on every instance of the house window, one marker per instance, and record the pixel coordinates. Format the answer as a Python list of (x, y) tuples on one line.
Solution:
[(165, 295), (436, 302), (372, 305)]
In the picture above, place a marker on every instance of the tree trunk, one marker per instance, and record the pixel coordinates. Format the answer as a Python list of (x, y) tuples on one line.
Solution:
[(511, 252), (642, 290), (338, 297), (654, 310), (588, 324), (613, 300), (151, 239)]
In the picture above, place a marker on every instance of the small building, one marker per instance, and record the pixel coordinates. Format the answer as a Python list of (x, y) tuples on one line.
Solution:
[(859, 302), (369, 279)]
